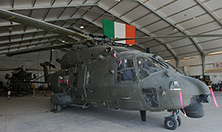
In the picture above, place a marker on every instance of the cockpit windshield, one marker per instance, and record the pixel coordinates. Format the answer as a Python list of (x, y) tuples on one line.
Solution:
[(144, 66), (147, 66), (175, 68)]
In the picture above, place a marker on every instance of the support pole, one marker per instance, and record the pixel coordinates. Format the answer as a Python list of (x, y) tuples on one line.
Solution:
[(177, 62), (203, 64)]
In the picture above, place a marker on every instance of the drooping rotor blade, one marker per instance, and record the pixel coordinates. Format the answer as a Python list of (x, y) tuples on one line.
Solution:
[(13, 69), (36, 49), (184, 36), (29, 21), (7, 69)]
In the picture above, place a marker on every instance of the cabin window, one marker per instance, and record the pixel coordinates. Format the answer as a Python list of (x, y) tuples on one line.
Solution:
[(125, 70), (124, 63), (146, 66)]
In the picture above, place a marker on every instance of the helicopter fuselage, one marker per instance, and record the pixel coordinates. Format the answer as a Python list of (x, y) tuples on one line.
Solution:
[(119, 78)]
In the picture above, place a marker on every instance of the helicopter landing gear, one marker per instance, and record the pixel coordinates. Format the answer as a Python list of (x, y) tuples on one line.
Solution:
[(173, 122), (179, 121), (143, 115), (57, 108)]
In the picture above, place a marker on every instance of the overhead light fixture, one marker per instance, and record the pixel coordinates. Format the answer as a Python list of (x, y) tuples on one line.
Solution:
[(215, 53), (53, 50), (168, 60), (61, 40), (187, 58), (117, 0), (81, 27), (175, 30)]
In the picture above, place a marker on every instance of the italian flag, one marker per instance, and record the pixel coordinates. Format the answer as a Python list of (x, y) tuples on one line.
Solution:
[(119, 30)]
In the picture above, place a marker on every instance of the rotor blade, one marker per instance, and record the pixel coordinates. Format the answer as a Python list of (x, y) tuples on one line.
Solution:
[(25, 20), (7, 69), (36, 49), (13, 69), (185, 36)]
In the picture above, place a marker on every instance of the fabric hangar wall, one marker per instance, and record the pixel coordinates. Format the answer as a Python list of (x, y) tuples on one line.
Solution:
[(192, 66), (31, 62)]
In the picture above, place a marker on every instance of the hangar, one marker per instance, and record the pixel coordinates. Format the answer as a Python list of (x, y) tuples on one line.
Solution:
[(198, 53)]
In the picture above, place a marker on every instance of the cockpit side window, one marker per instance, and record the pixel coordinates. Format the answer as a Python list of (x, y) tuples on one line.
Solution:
[(125, 70), (146, 66), (124, 63)]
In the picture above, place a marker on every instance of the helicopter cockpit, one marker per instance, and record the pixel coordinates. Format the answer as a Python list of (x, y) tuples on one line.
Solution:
[(140, 67), (147, 66)]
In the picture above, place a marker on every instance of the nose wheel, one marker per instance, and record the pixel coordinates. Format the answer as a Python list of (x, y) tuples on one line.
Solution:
[(172, 122)]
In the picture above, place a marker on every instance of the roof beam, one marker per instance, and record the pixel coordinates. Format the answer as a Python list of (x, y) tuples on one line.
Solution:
[(33, 3), (78, 6), (37, 49), (48, 7), (21, 32), (40, 45), (209, 12), (88, 20), (173, 25), (3, 43), (29, 44), (143, 31)]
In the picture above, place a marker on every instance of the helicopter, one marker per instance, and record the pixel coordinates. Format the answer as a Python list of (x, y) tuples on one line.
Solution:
[(120, 78), (19, 82), (100, 73)]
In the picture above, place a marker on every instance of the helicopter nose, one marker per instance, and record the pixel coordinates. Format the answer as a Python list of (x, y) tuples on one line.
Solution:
[(195, 108), (204, 98), (202, 88)]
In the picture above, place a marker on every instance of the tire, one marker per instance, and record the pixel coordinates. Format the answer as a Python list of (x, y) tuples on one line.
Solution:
[(179, 121), (171, 123), (58, 108)]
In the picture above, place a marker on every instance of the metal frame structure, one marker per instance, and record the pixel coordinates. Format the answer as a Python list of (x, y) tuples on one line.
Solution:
[(151, 18)]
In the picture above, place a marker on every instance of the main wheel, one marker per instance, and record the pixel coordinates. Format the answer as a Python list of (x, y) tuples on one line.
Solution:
[(58, 108), (179, 121), (171, 123)]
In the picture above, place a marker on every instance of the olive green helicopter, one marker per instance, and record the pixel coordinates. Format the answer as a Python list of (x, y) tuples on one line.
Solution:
[(99, 72)]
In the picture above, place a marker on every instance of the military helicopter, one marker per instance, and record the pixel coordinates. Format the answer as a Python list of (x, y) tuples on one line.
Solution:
[(101, 74), (19, 82)]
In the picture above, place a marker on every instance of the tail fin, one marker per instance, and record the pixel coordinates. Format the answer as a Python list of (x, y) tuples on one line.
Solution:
[(45, 66)]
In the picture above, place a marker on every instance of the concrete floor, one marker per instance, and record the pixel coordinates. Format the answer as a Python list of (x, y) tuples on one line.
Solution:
[(27, 114)]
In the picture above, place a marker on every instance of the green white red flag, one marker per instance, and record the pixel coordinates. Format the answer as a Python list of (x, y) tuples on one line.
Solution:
[(119, 30)]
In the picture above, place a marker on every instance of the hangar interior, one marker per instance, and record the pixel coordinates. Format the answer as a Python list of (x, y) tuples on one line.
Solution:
[(196, 56)]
